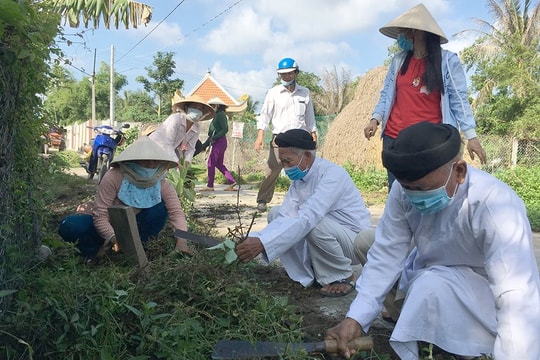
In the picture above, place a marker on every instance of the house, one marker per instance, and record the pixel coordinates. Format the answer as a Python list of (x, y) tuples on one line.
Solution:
[(208, 88)]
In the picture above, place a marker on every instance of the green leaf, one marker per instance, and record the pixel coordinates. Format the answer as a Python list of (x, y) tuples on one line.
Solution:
[(7, 292), (231, 256)]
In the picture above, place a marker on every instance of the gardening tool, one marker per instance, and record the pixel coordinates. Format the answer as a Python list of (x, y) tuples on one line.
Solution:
[(198, 239), (238, 349)]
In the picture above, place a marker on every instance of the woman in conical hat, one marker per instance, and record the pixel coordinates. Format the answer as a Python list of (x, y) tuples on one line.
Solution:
[(179, 133), (423, 83), (137, 179), (217, 138)]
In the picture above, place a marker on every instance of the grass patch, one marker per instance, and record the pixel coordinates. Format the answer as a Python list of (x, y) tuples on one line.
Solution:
[(106, 311)]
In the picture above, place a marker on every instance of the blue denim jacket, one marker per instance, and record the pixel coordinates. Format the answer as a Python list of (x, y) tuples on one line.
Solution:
[(455, 106)]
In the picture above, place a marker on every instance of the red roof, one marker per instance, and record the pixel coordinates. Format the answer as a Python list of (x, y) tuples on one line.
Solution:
[(208, 88)]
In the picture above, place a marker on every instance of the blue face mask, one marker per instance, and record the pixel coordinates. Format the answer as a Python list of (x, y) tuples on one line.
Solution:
[(294, 172), (143, 172), (287, 83), (430, 201), (404, 43)]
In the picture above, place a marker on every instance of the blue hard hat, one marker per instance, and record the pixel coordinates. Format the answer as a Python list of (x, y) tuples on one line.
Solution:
[(286, 65)]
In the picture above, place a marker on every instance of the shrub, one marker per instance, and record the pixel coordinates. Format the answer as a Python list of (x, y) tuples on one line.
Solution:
[(524, 181)]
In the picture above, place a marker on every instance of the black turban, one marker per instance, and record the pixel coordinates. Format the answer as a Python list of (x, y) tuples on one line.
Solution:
[(296, 138), (421, 149)]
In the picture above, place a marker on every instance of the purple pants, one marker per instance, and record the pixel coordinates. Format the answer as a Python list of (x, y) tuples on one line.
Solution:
[(215, 160)]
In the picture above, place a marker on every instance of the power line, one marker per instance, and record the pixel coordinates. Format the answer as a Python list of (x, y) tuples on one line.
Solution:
[(150, 32), (212, 19), (185, 36)]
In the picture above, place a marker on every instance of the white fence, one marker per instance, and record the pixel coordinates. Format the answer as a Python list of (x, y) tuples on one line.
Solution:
[(77, 135)]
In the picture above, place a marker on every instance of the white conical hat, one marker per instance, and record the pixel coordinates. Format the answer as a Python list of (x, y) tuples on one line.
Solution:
[(145, 148), (418, 18), (216, 101)]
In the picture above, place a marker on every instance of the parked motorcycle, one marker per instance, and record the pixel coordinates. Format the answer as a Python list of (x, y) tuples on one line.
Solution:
[(53, 139), (103, 148)]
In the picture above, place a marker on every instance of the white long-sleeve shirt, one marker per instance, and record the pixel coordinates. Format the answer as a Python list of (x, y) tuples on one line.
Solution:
[(327, 190), (172, 134), (287, 110), (485, 228)]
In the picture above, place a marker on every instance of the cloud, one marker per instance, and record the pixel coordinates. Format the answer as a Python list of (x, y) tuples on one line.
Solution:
[(241, 33)]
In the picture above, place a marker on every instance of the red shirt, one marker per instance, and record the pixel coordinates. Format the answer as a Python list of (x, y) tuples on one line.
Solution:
[(413, 102)]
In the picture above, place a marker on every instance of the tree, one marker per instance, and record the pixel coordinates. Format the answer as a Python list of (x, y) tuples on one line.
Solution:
[(337, 92), (162, 85), (70, 101), (27, 32), (505, 58), (126, 11), (136, 106)]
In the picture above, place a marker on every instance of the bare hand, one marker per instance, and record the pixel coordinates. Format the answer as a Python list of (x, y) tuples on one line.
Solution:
[(259, 145), (344, 332), (371, 128), (182, 246), (249, 249), (474, 147)]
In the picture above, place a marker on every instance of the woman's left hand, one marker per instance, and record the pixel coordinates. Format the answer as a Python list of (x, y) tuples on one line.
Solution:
[(474, 147)]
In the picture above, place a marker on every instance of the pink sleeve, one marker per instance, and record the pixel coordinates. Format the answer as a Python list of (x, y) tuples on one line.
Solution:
[(106, 197)]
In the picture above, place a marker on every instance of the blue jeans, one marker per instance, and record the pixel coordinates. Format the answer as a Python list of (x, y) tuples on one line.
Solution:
[(80, 229)]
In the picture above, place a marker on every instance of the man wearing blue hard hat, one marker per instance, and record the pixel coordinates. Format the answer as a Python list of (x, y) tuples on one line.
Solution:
[(286, 106)]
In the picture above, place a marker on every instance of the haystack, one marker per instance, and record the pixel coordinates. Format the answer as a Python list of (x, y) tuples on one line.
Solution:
[(345, 141)]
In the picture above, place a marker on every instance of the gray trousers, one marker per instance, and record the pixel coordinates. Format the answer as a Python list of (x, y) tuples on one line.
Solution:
[(273, 168)]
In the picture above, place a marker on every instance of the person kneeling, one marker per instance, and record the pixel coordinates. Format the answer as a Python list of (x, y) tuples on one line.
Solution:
[(320, 223), (137, 179)]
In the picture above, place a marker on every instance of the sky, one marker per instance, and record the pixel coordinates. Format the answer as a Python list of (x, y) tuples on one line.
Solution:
[(241, 41)]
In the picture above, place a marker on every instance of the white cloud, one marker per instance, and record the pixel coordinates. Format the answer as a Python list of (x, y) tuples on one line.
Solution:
[(243, 32)]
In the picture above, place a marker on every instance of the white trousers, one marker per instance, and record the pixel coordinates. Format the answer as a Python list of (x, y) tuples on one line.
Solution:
[(327, 253)]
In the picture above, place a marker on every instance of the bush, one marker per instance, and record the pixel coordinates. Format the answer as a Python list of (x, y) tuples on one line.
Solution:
[(367, 180), (524, 181)]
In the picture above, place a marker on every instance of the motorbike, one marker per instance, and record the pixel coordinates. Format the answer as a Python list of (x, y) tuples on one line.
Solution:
[(103, 148), (53, 139)]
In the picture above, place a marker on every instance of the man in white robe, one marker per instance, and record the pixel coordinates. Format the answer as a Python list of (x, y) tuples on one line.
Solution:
[(322, 217), (470, 285)]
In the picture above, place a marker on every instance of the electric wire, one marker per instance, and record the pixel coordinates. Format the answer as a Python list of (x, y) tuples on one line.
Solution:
[(150, 32)]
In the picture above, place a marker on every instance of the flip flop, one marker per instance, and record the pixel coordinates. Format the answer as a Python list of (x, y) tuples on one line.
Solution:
[(348, 281)]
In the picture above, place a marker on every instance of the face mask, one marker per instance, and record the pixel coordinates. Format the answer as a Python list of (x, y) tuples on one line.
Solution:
[(194, 114), (294, 172), (287, 83), (141, 171), (404, 43), (430, 201)]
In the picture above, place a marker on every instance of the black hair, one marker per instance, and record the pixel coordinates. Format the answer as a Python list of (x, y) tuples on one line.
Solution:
[(432, 77)]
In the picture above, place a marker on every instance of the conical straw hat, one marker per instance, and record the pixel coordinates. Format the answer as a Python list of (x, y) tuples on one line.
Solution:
[(145, 148), (418, 18), (216, 101), (178, 99)]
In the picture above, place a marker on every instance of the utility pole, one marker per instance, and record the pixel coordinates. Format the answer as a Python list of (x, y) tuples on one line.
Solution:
[(93, 119), (111, 113), (93, 80)]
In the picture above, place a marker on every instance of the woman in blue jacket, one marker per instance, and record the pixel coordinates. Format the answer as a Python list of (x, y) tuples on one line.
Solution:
[(423, 83)]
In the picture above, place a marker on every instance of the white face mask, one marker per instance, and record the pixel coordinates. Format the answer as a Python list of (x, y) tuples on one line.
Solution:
[(194, 114)]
